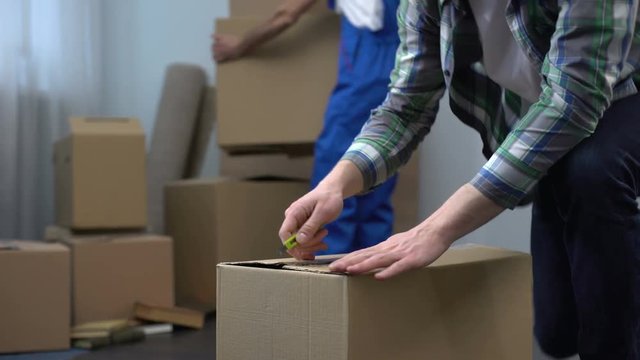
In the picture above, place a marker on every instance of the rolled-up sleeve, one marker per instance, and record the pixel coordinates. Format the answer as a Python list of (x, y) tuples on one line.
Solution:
[(395, 128)]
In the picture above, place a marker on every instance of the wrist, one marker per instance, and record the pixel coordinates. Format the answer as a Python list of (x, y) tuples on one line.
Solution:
[(434, 233), (345, 179)]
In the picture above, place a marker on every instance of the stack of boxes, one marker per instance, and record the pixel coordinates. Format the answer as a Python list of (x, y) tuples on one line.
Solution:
[(101, 211), (269, 110), (99, 261)]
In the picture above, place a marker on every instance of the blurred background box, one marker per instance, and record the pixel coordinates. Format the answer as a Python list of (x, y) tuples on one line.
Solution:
[(113, 271), (215, 220), (35, 299), (276, 96), (100, 179)]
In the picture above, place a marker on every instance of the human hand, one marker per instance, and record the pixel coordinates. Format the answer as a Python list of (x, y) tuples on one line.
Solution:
[(413, 249), (226, 47), (306, 216)]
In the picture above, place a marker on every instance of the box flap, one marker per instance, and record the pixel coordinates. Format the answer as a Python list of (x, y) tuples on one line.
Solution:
[(26, 245), (105, 126), (319, 265), (465, 254)]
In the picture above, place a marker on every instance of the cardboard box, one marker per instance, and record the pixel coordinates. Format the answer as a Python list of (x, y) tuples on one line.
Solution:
[(111, 272), (473, 303), (266, 8), (222, 220), (100, 175), (35, 304), (276, 97)]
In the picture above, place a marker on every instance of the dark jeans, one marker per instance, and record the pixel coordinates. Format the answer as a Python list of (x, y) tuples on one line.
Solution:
[(585, 242)]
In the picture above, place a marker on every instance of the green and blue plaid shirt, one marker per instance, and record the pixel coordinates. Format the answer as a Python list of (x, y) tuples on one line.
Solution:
[(588, 52)]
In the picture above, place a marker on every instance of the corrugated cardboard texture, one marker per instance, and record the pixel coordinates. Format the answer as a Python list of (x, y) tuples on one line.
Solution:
[(278, 94), (111, 273), (266, 8), (222, 220), (474, 303), (100, 175), (265, 315), (35, 303)]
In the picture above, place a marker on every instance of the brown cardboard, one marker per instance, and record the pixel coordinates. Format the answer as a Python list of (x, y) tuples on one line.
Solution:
[(100, 174), (266, 8), (276, 96), (111, 272), (35, 304), (280, 165), (222, 220), (473, 303)]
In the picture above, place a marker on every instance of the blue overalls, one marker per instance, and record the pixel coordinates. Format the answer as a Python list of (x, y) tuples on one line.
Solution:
[(366, 60)]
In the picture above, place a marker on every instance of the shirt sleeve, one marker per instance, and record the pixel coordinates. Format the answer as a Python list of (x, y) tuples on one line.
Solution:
[(587, 53), (395, 128)]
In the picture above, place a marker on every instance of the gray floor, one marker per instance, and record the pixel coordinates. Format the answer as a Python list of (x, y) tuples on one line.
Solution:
[(182, 344)]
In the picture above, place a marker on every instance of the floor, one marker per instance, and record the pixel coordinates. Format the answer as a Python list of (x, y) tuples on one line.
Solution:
[(182, 344)]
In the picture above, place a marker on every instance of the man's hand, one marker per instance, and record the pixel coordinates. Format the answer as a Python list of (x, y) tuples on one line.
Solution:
[(226, 47), (466, 210), (401, 252), (306, 216)]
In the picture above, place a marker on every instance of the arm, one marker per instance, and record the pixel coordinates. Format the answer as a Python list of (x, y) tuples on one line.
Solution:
[(228, 47), (577, 89), (417, 85)]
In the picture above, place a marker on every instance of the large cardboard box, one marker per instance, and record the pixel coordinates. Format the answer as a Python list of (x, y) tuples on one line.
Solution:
[(266, 8), (276, 97), (473, 303), (111, 272), (222, 220), (35, 302), (100, 175)]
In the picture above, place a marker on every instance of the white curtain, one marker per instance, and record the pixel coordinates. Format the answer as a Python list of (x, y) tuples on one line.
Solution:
[(49, 69)]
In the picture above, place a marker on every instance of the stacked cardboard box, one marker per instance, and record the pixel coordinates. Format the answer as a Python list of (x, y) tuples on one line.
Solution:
[(100, 178), (274, 99), (222, 220), (101, 216)]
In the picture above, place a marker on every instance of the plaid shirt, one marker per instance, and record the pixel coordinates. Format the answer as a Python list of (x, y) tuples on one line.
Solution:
[(588, 52)]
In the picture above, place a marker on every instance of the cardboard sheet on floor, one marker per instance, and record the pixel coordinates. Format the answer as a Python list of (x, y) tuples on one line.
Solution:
[(473, 303)]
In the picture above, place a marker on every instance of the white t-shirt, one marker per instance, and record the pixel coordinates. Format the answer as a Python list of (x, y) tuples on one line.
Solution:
[(364, 14)]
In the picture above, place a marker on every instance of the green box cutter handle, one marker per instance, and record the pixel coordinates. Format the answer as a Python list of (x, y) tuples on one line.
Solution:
[(291, 242)]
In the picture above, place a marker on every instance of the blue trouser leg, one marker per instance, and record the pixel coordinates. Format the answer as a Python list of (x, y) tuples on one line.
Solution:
[(585, 242), (362, 86)]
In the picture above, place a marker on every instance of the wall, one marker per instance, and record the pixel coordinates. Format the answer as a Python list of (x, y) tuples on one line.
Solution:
[(452, 153), (142, 37)]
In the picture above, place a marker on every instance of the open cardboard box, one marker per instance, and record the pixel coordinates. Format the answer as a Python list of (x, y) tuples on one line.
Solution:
[(473, 303)]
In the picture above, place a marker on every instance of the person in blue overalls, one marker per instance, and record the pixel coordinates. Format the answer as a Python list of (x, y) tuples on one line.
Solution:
[(369, 40)]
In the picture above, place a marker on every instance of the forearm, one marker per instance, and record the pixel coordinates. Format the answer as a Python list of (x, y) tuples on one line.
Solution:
[(465, 211), (281, 20), (345, 178)]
